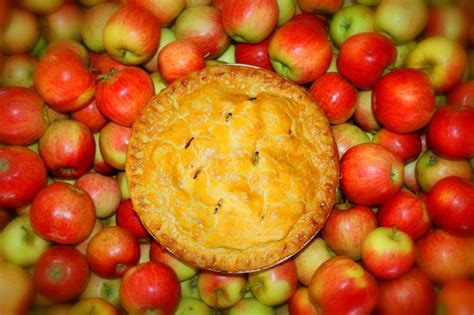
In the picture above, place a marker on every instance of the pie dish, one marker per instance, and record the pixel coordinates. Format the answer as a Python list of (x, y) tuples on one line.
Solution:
[(232, 168)]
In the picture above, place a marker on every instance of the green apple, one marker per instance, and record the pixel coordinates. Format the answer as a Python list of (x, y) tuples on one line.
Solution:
[(189, 288), (107, 289), (166, 36), (310, 258), (19, 244), (402, 54), (367, 2), (349, 21), (401, 20), (158, 83), (228, 56), (192, 306), (251, 306), (93, 23), (123, 185), (286, 11)]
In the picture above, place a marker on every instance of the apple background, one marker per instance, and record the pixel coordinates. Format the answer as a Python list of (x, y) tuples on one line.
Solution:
[(395, 79)]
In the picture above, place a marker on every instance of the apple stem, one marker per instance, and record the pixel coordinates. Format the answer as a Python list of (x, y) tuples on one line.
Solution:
[(394, 235)]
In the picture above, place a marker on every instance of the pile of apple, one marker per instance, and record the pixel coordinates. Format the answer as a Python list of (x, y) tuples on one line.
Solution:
[(395, 79)]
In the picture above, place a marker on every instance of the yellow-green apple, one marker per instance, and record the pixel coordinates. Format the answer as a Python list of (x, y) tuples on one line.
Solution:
[(363, 58), (254, 54), (158, 83), (21, 32), (196, 3), (179, 58), (93, 24), (348, 135), (407, 212), (449, 21), (456, 297), (442, 59), (90, 116), (189, 305), (450, 132), (150, 287), (387, 253), (17, 70), (335, 96), (444, 257), (249, 21), (320, 7), (67, 148), (347, 227), (22, 175), (402, 54), (370, 174), (286, 11), (131, 34), (450, 205), (144, 251), (403, 100), (406, 145), (105, 288), (203, 26), (64, 81), (310, 258), (274, 285), (300, 51), (53, 309), (401, 20), (113, 144), (411, 293), (367, 2), (350, 20), (363, 115), (99, 164), (19, 244), (64, 23), (82, 246), (164, 10), (342, 286), (250, 306), (430, 168), (113, 251), (61, 273), (24, 119), (41, 7), (183, 270), (93, 305), (126, 217), (16, 289), (121, 95), (166, 36), (409, 178), (62, 213), (189, 288), (221, 290), (228, 56), (461, 94), (104, 192), (300, 304), (123, 185)]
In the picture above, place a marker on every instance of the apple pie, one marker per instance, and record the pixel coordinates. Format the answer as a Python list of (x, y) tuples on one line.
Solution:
[(232, 168)]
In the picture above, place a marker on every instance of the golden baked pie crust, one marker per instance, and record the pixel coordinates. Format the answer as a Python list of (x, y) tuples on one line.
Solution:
[(232, 168)]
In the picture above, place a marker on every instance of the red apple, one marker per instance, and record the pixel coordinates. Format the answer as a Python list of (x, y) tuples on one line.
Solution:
[(183, 270), (113, 251), (221, 290), (449, 21), (103, 64), (150, 286), (131, 35), (462, 94), (5, 14), (22, 176), (407, 212), (67, 148), (16, 289), (363, 115), (82, 246), (342, 286), (450, 204), (348, 135), (370, 174), (318, 6), (336, 97), (450, 132), (64, 23), (254, 54), (346, 228), (18, 70), (406, 146), (455, 297), (409, 177), (249, 21), (93, 23), (179, 58), (71, 45), (113, 144), (444, 257), (127, 217), (363, 58), (90, 116), (164, 10), (63, 81), (275, 285), (99, 164), (300, 51), (23, 119), (61, 273), (403, 100), (62, 213), (310, 258), (387, 253), (5, 217), (299, 303), (411, 293), (314, 20), (203, 26), (21, 32), (121, 95)]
